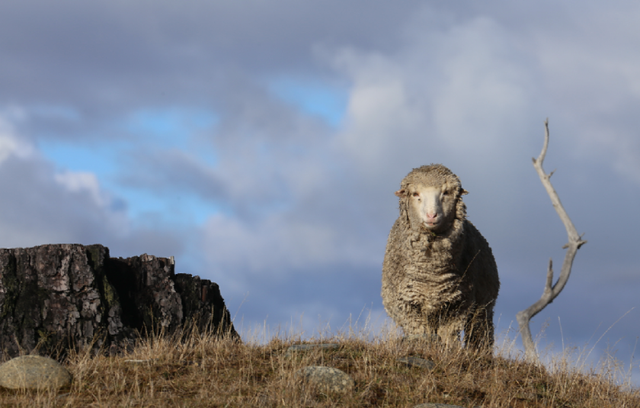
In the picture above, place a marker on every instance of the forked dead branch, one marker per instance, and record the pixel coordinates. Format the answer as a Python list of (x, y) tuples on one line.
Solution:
[(551, 291)]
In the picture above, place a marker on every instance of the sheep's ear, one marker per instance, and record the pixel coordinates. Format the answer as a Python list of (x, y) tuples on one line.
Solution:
[(463, 191), (401, 193)]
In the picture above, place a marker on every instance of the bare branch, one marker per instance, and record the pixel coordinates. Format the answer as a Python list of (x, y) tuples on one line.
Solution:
[(547, 287), (575, 242)]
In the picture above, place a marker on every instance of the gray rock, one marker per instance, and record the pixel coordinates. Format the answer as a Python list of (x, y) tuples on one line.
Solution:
[(416, 362), (327, 378), (53, 297), (33, 372)]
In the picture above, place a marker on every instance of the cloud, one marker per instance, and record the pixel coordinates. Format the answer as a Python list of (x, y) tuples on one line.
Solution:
[(43, 204), (81, 182), (454, 95), (279, 246), (10, 143)]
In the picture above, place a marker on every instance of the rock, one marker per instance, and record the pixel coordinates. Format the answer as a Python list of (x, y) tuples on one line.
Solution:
[(33, 372), (53, 297), (327, 378), (416, 362)]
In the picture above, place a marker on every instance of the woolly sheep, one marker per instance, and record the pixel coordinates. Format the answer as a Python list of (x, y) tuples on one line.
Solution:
[(439, 277)]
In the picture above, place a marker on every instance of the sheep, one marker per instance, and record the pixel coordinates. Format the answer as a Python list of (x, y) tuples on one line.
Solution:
[(439, 276)]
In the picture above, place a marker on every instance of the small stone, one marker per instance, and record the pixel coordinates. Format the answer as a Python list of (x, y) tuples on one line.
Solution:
[(33, 372), (416, 362), (328, 378)]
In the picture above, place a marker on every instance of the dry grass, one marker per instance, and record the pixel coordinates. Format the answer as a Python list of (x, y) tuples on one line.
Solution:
[(205, 371)]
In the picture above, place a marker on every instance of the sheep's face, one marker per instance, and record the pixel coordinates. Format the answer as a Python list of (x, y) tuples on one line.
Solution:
[(431, 208)]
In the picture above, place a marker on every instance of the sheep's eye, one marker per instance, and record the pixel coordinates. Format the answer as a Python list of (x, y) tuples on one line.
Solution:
[(445, 193), (416, 194)]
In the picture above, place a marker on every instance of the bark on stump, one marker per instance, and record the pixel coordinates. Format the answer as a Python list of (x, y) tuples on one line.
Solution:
[(54, 297)]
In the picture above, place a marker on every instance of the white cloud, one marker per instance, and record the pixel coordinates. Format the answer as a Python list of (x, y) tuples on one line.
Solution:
[(590, 74), (485, 91), (460, 91), (81, 182), (278, 244), (10, 142), (7, 146)]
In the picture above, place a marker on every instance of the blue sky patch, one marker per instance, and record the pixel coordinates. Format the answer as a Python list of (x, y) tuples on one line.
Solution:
[(171, 125), (150, 130), (313, 98)]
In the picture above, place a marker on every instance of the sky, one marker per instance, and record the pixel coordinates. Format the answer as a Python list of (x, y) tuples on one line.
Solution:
[(260, 143)]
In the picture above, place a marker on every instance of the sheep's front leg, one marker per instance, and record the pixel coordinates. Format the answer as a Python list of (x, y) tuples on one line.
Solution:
[(478, 329), (449, 333)]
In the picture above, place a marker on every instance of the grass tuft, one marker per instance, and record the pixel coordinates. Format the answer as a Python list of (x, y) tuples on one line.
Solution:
[(203, 370)]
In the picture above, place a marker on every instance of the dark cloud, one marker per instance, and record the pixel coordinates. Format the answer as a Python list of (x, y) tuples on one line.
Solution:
[(169, 171), (111, 56)]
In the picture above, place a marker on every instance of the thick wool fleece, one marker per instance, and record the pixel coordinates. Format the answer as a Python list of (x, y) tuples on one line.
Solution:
[(439, 284)]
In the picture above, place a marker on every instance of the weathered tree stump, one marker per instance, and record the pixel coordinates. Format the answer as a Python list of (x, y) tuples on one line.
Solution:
[(53, 297)]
